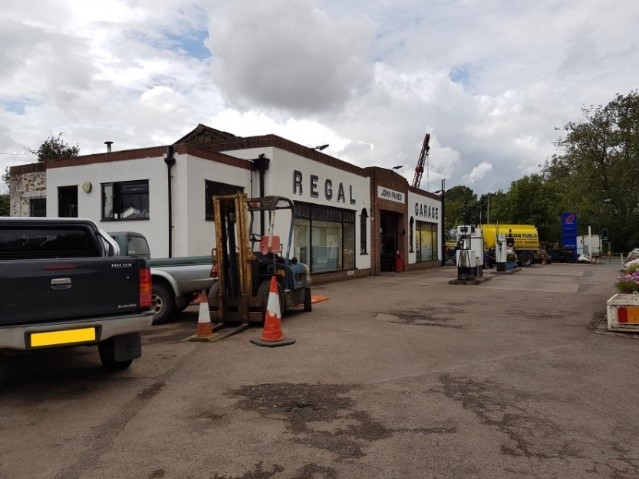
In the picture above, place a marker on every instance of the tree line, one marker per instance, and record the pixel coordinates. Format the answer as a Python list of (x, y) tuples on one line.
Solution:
[(594, 173)]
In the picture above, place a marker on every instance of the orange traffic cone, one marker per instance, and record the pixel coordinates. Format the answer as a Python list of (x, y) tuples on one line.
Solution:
[(272, 335), (204, 329)]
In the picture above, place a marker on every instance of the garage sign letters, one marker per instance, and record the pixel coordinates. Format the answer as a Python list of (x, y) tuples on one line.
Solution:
[(326, 188), (425, 211)]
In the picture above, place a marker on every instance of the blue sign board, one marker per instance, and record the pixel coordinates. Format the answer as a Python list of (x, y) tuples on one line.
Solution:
[(569, 230)]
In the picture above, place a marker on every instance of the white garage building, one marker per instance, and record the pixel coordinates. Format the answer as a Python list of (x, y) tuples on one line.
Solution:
[(350, 221)]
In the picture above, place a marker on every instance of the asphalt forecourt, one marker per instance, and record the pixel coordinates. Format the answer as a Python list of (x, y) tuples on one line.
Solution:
[(398, 375)]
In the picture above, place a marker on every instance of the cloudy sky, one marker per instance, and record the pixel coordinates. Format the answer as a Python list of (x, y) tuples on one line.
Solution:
[(489, 80)]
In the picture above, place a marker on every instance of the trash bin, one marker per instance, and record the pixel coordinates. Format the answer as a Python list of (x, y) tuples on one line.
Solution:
[(399, 263)]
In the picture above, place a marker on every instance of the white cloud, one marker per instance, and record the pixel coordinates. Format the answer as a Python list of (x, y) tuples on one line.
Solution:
[(305, 132), (288, 56), (488, 80), (477, 173)]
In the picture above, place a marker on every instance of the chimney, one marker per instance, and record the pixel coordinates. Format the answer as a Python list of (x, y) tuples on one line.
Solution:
[(108, 144)]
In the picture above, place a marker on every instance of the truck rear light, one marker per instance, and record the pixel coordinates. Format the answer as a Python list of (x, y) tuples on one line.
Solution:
[(214, 271), (146, 288)]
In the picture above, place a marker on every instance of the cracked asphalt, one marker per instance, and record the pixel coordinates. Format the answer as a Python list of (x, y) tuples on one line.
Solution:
[(395, 376)]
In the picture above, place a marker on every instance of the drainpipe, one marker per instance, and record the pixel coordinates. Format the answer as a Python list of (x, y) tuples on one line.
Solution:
[(261, 164), (443, 239), (170, 162)]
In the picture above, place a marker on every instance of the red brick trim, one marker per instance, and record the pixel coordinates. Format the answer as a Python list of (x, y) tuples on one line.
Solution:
[(138, 154), (419, 191), (213, 156), (29, 168), (274, 141), (332, 276)]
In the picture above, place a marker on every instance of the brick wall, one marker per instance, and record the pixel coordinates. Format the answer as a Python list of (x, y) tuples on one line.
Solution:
[(331, 277), (393, 181), (26, 182)]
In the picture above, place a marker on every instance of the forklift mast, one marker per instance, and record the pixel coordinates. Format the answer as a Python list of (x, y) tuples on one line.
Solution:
[(244, 275), (232, 246)]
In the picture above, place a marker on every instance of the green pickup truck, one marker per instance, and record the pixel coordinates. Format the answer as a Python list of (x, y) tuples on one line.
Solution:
[(176, 281)]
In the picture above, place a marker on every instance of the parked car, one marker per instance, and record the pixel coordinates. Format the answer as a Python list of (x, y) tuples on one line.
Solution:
[(560, 255), (176, 281), (63, 284)]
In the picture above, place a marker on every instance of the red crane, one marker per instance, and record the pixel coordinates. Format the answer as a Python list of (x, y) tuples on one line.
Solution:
[(423, 159)]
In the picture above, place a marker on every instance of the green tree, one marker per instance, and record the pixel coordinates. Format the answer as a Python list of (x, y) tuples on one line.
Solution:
[(4, 205), (55, 148), (461, 207), (530, 200), (493, 207), (4, 199), (596, 171)]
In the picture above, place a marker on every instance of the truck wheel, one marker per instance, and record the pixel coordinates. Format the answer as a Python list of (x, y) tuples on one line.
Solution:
[(263, 292), (308, 302), (525, 260), (183, 302), (107, 357), (163, 303)]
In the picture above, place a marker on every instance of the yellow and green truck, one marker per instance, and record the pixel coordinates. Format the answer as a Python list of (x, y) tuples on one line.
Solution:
[(525, 241)]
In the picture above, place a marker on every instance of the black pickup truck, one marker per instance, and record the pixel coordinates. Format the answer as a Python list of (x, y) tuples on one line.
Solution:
[(63, 284)]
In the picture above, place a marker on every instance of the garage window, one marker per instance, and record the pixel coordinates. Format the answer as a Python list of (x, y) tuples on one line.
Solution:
[(213, 188), (324, 237), (426, 238), (127, 200)]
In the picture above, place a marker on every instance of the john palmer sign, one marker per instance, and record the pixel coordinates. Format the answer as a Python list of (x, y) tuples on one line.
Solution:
[(391, 195)]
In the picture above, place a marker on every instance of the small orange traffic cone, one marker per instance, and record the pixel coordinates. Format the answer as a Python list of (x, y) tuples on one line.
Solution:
[(204, 328), (272, 335)]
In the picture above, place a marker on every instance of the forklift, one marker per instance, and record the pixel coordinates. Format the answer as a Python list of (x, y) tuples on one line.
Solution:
[(244, 262)]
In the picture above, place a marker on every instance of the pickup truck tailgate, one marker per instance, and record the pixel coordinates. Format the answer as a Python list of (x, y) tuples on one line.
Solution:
[(36, 291)]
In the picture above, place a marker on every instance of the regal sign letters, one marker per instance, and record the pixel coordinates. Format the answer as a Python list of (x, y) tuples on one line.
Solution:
[(326, 187)]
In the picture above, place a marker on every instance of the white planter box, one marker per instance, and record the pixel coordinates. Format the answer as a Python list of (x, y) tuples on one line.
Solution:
[(623, 312)]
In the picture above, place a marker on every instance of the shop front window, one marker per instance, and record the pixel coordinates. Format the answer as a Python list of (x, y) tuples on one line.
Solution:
[(426, 239), (302, 235), (348, 241), (411, 240), (324, 237)]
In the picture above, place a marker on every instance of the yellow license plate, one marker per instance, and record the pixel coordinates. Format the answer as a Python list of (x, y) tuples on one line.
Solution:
[(59, 338)]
